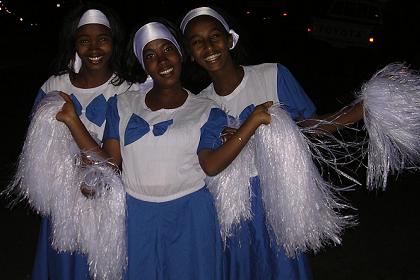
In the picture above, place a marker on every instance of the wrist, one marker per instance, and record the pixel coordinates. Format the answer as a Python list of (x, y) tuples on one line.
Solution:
[(250, 125), (72, 121), (246, 130)]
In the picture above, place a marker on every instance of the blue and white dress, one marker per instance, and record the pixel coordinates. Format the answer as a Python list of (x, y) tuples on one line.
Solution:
[(249, 253), (172, 226), (91, 105)]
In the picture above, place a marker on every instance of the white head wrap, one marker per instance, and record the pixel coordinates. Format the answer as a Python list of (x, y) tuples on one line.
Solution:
[(149, 32), (91, 16), (208, 12)]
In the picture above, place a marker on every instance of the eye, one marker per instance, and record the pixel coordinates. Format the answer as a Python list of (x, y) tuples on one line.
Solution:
[(83, 41), (169, 48), (215, 36), (196, 42), (148, 55), (104, 39)]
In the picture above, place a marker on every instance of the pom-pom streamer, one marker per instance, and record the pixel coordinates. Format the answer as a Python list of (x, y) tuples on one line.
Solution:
[(301, 208), (232, 192), (50, 175), (46, 164), (101, 219), (391, 101)]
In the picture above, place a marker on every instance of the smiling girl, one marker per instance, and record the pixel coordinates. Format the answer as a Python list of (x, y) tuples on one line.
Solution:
[(250, 253), (166, 140), (88, 69)]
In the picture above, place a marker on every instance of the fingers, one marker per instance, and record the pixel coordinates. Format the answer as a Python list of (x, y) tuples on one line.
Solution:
[(268, 104), (65, 96), (227, 133), (229, 130), (87, 191), (262, 111), (264, 106)]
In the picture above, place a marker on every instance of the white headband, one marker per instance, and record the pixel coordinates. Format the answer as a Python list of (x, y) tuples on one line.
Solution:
[(93, 16), (89, 17), (149, 32), (208, 12)]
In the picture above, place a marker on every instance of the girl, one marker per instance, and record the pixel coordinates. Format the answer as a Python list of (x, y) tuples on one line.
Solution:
[(89, 69), (164, 139), (249, 254)]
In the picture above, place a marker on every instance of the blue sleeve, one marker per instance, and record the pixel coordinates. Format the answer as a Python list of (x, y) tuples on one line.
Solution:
[(292, 95), (210, 131), (112, 120), (41, 94)]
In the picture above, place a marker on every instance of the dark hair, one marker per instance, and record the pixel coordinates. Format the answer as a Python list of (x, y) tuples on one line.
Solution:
[(65, 57), (135, 72), (198, 77)]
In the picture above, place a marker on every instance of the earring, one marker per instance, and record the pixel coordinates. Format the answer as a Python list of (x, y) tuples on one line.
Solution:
[(77, 63)]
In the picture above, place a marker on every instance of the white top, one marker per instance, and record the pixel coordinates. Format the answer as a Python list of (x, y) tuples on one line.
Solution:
[(159, 148), (262, 83), (96, 124)]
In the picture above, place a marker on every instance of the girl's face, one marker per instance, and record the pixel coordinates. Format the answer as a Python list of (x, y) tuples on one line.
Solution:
[(94, 46), (162, 62), (208, 42)]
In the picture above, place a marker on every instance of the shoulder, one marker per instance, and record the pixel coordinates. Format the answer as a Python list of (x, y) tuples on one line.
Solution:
[(54, 83), (262, 68), (207, 92), (264, 73), (203, 101), (125, 104), (129, 97), (206, 108), (283, 70), (122, 87)]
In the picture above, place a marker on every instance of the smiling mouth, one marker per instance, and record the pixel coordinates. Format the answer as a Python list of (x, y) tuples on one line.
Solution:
[(95, 59), (167, 71), (212, 58)]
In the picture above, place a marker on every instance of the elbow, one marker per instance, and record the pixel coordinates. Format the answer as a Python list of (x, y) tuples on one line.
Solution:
[(209, 167), (210, 170), (211, 173), (210, 164)]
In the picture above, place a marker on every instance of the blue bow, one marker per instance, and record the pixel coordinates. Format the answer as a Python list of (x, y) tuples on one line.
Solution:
[(95, 110), (137, 127), (236, 122), (246, 112)]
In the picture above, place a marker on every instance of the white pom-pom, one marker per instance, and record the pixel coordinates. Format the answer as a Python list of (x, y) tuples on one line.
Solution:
[(391, 100), (46, 162), (50, 174), (232, 193), (302, 209), (101, 221)]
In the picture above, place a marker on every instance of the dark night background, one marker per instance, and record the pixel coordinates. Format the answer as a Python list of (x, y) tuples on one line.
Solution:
[(384, 244)]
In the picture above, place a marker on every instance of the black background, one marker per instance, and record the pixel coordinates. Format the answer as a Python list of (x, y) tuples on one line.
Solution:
[(383, 245)]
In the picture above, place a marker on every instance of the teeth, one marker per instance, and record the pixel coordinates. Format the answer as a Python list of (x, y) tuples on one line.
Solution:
[(212, 57), (167, 71), (95, 59)]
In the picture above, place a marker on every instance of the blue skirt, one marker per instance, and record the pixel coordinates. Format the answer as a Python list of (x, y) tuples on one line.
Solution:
[(178, 239), (249, 254), (52, 265)]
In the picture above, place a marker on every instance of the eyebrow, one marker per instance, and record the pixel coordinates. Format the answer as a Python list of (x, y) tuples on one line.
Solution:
[(99, 35), (210, 31)]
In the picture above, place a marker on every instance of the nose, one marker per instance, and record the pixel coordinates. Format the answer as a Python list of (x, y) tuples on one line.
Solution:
[(94, 45), (162, 58), (208, 45)]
